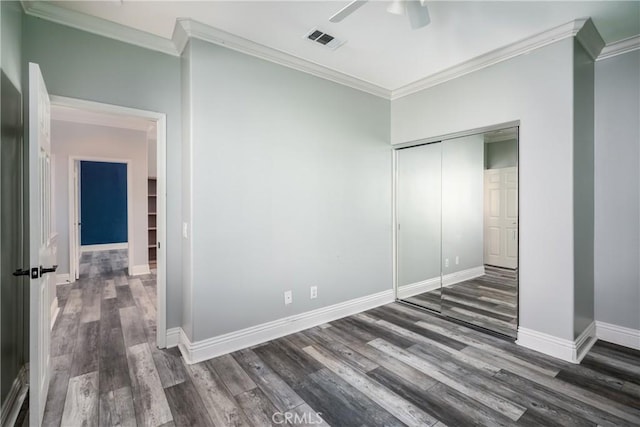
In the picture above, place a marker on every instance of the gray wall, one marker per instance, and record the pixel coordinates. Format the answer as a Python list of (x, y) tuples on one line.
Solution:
[(187, 174), (11, 40), (291, 188), (536, 89), (75, 139), (583, 188), (419, 213), (501, 154), (82, 65), (462, 203), (617, 190)]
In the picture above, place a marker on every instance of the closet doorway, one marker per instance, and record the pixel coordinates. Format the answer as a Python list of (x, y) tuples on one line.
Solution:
[(456, 232)]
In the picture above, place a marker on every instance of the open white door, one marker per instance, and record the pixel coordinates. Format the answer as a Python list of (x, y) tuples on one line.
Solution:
[(41, 252), (75, 221)]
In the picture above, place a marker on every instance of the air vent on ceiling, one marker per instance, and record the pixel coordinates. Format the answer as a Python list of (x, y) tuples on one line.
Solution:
[(324, 39)]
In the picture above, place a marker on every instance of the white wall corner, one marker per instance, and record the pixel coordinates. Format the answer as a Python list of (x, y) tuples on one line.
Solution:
[(620, 335), (590, 39), (620, 47), (198, 351), (560, 348), (139, 270), (62, 279)]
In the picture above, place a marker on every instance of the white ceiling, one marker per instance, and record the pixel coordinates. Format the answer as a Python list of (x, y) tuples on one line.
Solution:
[(381, 48)]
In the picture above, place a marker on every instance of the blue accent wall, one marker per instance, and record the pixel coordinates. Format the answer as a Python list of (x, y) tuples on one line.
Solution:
[(103, 202)]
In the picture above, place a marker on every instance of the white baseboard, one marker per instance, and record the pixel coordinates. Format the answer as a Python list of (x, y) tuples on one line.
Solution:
[(139, 270), (413, 289), (13, 402), (461, 276), (55, 309), (620, 335), (417, 288), (62, 279), (103, 247), (194, 352), (173, 337), (570, 351)]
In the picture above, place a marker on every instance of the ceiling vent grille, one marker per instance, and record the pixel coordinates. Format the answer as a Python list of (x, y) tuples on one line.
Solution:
[(324, 39)]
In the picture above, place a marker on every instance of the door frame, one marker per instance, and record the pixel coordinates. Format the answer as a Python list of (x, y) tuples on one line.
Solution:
[(161, 203), (74, 216)]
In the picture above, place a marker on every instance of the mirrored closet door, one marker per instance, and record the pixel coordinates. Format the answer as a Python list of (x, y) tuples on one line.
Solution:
[(476, 240)]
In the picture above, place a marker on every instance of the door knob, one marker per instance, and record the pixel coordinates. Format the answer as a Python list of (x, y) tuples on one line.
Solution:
[(21, 272), (47, 270)]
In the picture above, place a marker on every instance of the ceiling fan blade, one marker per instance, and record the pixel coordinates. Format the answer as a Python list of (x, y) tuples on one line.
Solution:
[(347, 10), (418, 14)]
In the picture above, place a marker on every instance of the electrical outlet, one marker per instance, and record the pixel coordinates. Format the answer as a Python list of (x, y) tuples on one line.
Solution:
[(288, 297), (314, 292), (446, 262), (457, 260)]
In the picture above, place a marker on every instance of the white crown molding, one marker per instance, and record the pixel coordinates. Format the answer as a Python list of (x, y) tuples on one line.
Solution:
[(590, 39), (618, 48), (101, 27), (73, 115), (570, 351), (198, 351), (620, 335), (192, 29), (570, 29)]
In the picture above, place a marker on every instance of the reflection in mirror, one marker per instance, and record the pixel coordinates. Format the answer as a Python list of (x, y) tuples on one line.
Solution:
[(418, 210), (480, 230)]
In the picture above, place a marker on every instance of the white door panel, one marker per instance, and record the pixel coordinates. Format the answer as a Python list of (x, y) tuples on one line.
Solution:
[(501, 217), (41, 250)]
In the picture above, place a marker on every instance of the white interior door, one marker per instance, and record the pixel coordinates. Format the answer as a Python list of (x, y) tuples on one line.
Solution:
[(501, 217), (76, 218), (41, 253)]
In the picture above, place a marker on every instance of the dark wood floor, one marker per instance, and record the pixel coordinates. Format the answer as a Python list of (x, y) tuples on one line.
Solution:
[(394, 365), (489, 301)]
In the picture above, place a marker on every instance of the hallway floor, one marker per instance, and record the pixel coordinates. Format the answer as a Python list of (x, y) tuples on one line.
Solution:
[(392, 365)]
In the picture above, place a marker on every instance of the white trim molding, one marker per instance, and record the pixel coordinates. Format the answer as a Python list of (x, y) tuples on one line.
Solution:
[(13, 402), (103, 247), (98, 26), (198, 351), (570, 351), (462, 275), (620, 335), (618, 48), (526, 45), (62, 278), (186, 29), (418, 288), (139, 270), (173, 337)]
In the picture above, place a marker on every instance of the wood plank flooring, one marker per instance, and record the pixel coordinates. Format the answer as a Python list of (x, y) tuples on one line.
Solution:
[(489, 301), (390, 366)]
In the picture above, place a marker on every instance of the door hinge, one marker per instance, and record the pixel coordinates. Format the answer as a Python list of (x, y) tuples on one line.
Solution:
[(158, 245)]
